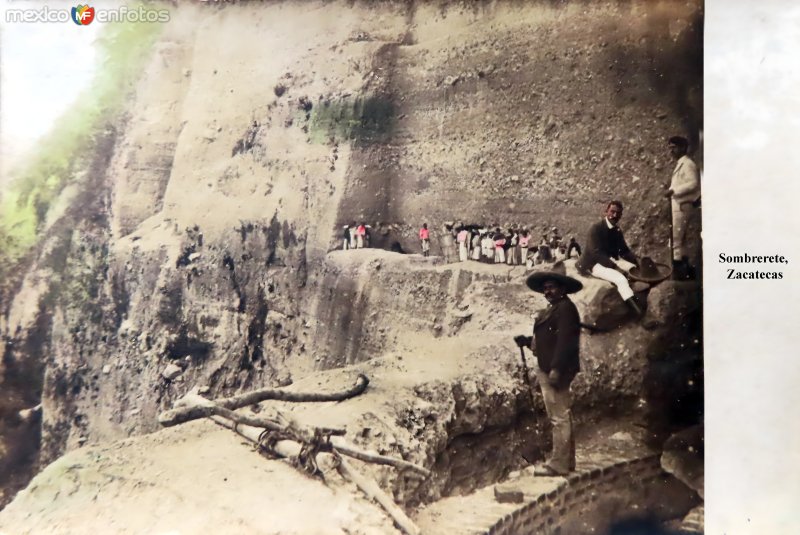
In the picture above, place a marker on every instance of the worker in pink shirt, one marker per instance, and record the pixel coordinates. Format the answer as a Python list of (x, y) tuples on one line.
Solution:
[(463, 243), (424, 237), (361, 232), (499, 247), (523, 246)]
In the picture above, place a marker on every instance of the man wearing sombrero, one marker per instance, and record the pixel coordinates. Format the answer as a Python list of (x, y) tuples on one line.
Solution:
[(555, 342)]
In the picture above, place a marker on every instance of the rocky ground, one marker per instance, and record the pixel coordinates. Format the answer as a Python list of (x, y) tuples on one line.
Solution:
[(446, 392)]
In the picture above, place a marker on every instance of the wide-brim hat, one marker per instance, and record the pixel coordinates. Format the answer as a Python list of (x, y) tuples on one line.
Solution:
[(650, 271), (557, 273)]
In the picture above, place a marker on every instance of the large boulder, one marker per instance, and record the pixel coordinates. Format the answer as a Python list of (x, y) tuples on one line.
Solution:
[(600, 304), (672, 301), (683, 457)]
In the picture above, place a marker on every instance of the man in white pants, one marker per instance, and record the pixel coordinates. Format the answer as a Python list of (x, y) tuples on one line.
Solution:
[(607, 255), (684, 191), (463, 243)]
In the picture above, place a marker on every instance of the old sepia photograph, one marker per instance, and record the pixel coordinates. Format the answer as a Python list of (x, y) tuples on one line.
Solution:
[(352, 267)]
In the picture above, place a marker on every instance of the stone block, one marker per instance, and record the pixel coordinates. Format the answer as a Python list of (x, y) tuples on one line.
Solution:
[(508, 494), (171, 372)]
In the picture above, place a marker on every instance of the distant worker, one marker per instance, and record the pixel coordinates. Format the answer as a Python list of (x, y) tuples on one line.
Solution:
[(556, 344), (361, 233), (463, 244), (684, 192), (447, 243), (555, 240), (499, 247), (607, 252), (512, 247), (560, 253), (573, 246), (545, 253), (346, 236), (353, 230), (476, 246), (367, 236), (487, 248), (524, 238), (424, 238)]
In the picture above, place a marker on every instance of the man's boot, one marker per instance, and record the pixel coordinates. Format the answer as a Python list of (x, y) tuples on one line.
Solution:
[(681, 270), (635, 308), (678, 270), (689, 273)]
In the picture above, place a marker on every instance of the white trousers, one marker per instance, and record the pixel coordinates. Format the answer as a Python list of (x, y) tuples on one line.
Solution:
[(511, 257), (680, 222), (615, 277)]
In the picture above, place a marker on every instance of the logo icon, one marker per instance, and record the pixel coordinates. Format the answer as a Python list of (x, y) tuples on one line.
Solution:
[(82, 15)]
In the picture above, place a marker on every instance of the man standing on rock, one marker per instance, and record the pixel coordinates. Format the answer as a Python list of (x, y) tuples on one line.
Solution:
[(555, 342), (684, 192), (607, 253), (424, 238)]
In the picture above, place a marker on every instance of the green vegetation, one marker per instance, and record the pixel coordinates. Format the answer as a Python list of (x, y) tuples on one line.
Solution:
[(68, 148), (365, 120)]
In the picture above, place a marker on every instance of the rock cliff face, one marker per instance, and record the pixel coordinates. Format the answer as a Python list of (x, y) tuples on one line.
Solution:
[(200, 238)]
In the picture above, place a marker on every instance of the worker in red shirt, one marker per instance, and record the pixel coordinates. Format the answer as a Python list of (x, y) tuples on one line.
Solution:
[(361, 233), (424, 237)]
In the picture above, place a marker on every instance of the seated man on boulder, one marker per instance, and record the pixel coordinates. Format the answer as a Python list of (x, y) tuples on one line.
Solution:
[(607, 253), (556, 344)]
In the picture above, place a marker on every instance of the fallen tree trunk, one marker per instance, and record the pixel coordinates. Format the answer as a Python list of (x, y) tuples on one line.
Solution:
[(256, 396), (291, 449), (183, 414), (305, 445), (292, 430)]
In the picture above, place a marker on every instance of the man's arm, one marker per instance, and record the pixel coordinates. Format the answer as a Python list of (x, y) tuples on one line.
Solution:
[(625, 252), (687, 180), (597, 246), (569, 330)]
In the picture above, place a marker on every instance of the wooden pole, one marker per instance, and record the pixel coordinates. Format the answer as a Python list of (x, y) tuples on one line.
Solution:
[(290, 448), (371, 489), (196, 406)]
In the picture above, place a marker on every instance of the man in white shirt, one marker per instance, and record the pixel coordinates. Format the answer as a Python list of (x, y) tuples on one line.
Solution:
[(684, 192)]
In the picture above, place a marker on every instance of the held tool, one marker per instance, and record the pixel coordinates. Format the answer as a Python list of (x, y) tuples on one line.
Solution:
[(526, 375)]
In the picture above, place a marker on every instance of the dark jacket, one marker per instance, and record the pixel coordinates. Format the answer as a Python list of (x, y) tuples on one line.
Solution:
[(557, 333), (573, 245), (602, 245)]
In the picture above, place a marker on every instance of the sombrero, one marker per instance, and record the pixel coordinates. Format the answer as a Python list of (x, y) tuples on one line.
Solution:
[(649, 271), (557, 273)]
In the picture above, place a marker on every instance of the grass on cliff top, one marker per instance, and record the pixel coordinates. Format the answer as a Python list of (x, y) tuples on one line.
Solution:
[(122, 50)]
